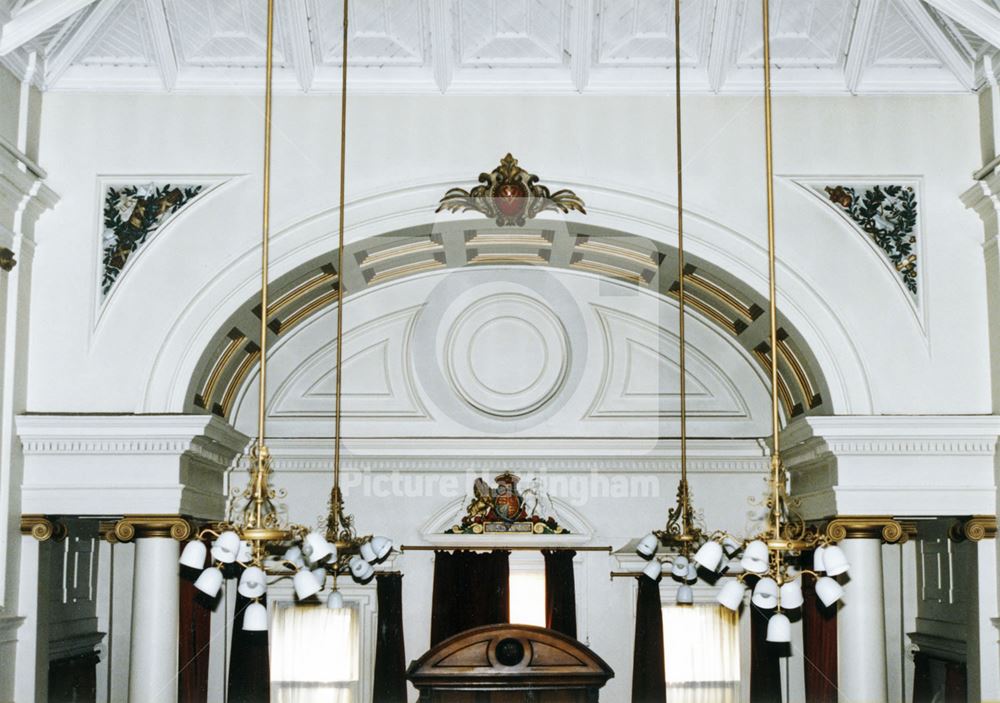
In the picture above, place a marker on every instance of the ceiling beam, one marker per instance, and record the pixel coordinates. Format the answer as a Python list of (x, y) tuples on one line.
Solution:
[(583, 43), (295, 17), (70, 50), (721, 43), (35, 19), (974, 15), (859, 50), (441, 46), (919, 17), (163, 44)]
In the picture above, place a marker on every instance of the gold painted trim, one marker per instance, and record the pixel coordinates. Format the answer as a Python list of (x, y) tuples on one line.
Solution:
[(792, 361), (406, 270), (493, 239), (308, 309), (501, 258), (646, 260), (609, 270), (142, 526), (707, 310), (786, 396), (208, 391), (43, 528), (723, 295), (237, 380), (974, 529), (884, 527), (300, 290), (389, 253)]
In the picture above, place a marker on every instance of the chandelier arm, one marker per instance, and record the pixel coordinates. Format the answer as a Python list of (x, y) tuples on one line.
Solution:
[(336, 501)]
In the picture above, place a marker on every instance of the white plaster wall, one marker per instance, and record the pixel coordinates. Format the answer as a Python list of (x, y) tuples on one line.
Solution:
[(590, 143)]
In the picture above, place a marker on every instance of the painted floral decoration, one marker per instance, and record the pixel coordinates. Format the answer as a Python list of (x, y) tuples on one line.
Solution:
[(889, 215), (131, 214)]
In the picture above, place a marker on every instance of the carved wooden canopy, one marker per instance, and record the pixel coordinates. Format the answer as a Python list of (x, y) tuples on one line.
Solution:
[(509, 656)]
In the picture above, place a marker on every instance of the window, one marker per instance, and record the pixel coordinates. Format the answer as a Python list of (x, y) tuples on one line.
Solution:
[(701, 650), (527, 588), (314, 655)]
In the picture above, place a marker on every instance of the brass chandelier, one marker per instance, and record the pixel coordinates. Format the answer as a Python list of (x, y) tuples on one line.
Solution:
[(683, 532), (774, 555), (254, 532), (336, 548)]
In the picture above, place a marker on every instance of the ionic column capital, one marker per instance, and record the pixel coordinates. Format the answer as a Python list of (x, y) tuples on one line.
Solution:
[(132, 527), (43, 527), (974, 528), (883, 527)]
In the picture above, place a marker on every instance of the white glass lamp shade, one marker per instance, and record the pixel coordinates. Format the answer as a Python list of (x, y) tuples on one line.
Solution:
[(227, 547), (253, 582), (765, 593), (255, 618), (320, 576), (335, 601), (294, 555), (829, 591), (685, 596), (755, 557), (333, 552), (315, 548), (360, 568), (731, 594), (381, 546), (730, 544), (835, 560), (790, 594), (679, 568), (692, 573), (779, 628), (194, 555), (209, 581), (367, 552), (709, 555), (244, 554), (818, 564), (653, 569), (647, 545), (305, 584)]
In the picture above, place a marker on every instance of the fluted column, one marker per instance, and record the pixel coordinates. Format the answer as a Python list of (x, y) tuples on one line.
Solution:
[(155, 605)]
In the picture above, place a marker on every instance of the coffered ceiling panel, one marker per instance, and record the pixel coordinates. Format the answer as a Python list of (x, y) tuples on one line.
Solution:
[(504, 46)]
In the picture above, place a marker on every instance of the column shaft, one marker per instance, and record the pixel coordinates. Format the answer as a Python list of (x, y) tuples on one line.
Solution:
[(861, 626), (155, 613)]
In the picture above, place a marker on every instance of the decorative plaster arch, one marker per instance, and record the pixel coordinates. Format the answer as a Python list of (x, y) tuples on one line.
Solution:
[(806, 309)]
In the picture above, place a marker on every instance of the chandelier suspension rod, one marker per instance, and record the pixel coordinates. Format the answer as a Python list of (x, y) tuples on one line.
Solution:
[(335, 498), (265, 228), (777, 476), (684, 499)]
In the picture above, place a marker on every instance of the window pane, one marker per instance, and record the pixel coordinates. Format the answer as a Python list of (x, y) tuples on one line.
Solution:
[(527, 598), (701, 644)]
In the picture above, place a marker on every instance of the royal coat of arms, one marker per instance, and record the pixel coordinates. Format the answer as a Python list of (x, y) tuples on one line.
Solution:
[(504, 508)]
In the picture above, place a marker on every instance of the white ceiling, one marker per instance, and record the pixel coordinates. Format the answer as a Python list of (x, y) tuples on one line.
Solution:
[(502, 46)]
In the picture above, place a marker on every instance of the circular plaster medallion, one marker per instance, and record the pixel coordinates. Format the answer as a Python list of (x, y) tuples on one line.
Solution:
[(506, 355)]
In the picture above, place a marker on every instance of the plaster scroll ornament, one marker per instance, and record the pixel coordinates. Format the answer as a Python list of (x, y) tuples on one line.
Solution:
[(510, 195)]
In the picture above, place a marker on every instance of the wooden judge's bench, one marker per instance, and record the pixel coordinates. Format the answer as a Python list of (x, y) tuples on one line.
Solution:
[(509, 664)]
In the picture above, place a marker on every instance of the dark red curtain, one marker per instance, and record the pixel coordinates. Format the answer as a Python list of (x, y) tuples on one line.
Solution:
[(389, 685), (765, 670), (195, 634), (470, 590), (249, 663), (649, 683), (955, 683), (560, 591), (74, 679), (819, 634)]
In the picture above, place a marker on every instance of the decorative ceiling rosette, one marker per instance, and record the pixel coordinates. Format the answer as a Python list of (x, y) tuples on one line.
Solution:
[(510, 195)]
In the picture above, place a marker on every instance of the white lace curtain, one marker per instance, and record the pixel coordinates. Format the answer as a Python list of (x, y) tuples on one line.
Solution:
[(701, 651), (314, 655)]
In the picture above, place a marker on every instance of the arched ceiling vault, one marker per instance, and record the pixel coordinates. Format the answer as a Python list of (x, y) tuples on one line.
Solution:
[(716, 296)]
